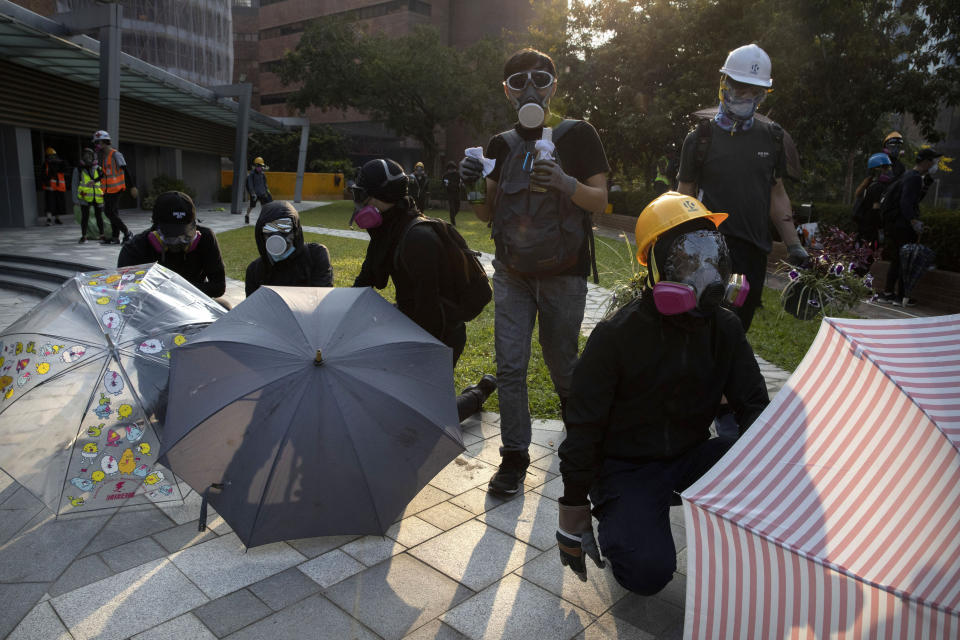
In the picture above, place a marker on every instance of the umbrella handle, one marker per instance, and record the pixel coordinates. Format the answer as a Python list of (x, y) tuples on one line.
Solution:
[(319, 359), (202, 523)]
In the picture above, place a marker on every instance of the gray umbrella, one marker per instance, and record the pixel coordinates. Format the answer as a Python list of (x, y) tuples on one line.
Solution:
[(311, 411)]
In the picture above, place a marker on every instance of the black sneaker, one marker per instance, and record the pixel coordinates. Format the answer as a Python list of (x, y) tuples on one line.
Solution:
[(486, 385), (82, 239), (509, 477), (246, 219)]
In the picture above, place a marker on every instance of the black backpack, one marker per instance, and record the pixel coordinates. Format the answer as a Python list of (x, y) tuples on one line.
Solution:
[(890, 202), (470, 289)]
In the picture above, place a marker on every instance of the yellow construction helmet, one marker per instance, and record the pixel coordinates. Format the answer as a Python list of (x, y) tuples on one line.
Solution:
[(259, 161), (51, 151), (892, 134), (419, 165), (666, 212)]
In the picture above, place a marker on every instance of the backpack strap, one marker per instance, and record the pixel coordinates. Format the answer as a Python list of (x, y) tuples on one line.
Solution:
[(704, 133)]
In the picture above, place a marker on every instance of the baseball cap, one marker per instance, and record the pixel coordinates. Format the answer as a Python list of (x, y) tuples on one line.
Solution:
[(927, 153), (174, 213)]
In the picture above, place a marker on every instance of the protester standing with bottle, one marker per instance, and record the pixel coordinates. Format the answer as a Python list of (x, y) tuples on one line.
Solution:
[(540, 268)]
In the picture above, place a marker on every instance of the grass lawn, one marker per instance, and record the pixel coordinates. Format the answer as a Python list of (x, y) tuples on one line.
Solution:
[(775, 335)]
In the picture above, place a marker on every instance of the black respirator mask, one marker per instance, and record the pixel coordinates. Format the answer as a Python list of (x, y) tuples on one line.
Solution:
[(278, 239), (526, 93)]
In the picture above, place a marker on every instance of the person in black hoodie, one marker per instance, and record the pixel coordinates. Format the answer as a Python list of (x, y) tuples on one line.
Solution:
[(285, 259), (419, 272), (645, 392), (175, 241)]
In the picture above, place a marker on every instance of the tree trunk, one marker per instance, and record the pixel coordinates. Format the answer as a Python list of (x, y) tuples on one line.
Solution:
[(848, 180)]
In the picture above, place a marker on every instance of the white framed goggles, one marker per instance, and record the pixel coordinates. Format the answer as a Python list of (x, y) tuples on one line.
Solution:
[(519, 81), (280, 225)]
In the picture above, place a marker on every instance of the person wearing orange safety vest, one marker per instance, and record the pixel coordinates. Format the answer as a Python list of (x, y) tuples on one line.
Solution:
[(88, 191), (116, 178), (54, 186)]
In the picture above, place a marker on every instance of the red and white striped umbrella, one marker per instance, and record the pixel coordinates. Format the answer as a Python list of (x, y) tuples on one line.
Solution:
[(838, 513)]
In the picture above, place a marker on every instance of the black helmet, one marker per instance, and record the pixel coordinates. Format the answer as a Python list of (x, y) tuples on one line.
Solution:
[(381, 179)]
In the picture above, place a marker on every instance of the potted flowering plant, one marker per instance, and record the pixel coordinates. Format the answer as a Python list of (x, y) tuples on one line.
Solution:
[(834, 280)]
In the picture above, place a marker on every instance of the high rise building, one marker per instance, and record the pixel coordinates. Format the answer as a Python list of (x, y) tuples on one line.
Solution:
[(281, 23)]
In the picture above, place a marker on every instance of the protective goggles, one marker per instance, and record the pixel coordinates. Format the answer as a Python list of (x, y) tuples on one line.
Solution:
[(739, 91), (519, 81), (280, 225)]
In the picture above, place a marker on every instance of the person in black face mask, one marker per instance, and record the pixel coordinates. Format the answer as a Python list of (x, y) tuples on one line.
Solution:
[(175, 241), (645, 392), (285, 259), (419, 272)]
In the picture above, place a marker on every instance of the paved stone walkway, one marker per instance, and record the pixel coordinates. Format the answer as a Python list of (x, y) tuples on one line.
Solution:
[(458, 564)]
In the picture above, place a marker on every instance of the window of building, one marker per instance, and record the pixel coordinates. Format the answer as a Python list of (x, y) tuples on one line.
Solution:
[(363, 13)]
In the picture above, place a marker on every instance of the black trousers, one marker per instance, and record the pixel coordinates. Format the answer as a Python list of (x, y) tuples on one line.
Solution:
[(453, 200), (85, 217), (751, 261), (111, 207), (896, 237), (632, 502)]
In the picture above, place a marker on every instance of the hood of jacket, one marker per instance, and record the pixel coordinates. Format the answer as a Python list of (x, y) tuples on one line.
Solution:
[(272, 211)]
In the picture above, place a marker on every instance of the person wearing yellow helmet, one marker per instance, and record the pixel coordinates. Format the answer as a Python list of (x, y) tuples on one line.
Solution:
[(54, 185), (419, 186), (893, 147), (645, 392), (256, 185)]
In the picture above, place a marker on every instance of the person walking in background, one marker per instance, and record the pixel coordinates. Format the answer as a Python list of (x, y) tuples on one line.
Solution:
[(735, 163), (116, 179), (285, 259), (54, 186), (451, 182), (866, 211), (644, 394), (661, 183), (88, 192), (541, 267), (418, 265), (256, 185), (903, 225), (420, 187), (175, 241)]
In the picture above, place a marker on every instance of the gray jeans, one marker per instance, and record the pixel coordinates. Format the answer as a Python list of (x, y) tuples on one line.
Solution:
[(558, 302)]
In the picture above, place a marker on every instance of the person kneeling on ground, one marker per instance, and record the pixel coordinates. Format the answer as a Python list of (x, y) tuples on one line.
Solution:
[(419, 271), (645, 392), (285, 259), (175, 241)]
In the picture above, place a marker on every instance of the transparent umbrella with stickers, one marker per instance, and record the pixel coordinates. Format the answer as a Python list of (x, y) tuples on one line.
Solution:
[(83, 386)]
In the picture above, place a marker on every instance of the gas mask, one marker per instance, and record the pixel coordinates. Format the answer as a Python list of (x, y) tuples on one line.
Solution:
[(526, 92), (740, 101), (696, 276), (368, 217), (174, 238), (279, 239), (893, 148)]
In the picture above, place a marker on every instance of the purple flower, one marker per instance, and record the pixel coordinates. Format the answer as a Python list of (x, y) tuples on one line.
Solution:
[(794, 274), (868, 281), (813, 303), (837, 269)]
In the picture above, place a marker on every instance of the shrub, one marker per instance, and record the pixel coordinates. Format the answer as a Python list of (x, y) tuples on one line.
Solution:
[(630, 203), (163, 183)]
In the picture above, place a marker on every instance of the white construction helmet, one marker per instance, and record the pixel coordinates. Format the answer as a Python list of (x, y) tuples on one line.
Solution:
[(748, 64), (101, 135)]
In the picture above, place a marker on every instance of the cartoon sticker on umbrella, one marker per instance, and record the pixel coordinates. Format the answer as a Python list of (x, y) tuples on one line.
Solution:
[(109, 465), (113, 382), (73, 354), (103, 409), (111, 319), (89, 452), (151, 346), (127, 464), (134, 432), (124, 411)]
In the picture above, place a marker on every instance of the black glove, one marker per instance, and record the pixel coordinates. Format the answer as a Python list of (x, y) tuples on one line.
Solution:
[(575, 538), (470, 169), (549, 175)]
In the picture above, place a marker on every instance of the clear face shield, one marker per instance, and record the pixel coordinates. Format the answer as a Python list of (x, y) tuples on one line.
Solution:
[(530, 92), (696, 276), (278, 238)]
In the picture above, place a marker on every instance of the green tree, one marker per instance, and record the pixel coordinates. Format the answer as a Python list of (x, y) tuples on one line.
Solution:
[(325, 147), (413, 84)]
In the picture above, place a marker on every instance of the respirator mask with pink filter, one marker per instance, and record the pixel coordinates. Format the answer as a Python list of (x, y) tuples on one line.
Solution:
[(694, 275)]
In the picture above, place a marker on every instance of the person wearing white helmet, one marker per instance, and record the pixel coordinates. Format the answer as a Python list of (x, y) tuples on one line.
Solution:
[(116, 178), (740, 171)]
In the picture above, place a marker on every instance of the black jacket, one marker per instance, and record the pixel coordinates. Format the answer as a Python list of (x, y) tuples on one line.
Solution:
[(202, 267), (307, 266), (647, 387), (419, 272)]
